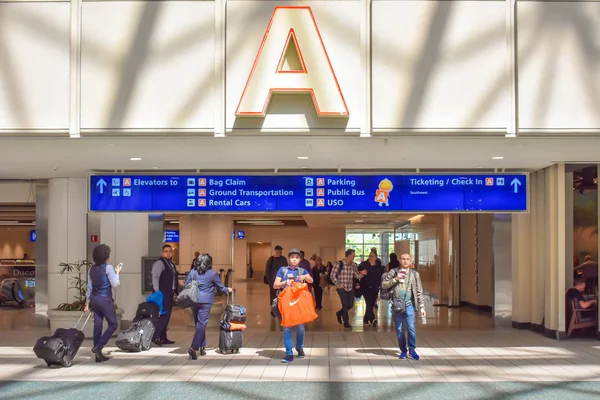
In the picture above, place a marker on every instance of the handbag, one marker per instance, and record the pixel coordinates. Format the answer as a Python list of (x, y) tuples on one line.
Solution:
[(399, 304), (189, 295), (275, 308), (296, 305)]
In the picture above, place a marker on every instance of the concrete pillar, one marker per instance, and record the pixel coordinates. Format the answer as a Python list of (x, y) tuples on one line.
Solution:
[(208, 234), (127, 236), (67, 232), (41, 248)]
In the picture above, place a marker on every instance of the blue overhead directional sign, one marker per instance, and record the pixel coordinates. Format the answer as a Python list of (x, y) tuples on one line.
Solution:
[(318, 193)]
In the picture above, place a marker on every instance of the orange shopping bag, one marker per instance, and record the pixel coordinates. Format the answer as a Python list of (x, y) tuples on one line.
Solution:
[(296, 305)]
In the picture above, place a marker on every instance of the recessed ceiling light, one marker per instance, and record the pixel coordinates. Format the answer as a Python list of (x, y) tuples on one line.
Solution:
[(154, 167), (135, 158), (302, 158), (358, 220), (498, 158)]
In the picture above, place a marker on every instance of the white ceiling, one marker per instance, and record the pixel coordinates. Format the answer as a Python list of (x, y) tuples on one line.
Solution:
[(53, 157)]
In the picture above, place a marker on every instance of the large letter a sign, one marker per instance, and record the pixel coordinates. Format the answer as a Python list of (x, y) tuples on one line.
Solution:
[(292, 59)]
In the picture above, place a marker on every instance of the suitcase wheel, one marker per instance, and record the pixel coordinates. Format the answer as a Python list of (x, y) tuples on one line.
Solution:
[(236, 351), (49, 364), (67, 364), (145, 348)]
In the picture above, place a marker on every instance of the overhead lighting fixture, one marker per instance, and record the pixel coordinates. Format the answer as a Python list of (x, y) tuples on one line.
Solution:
[(358, 220), (416, 217), (498, 158), (135, 158), (302, 158)]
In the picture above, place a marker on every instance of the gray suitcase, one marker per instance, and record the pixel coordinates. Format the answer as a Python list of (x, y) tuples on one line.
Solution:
[(138, 337)]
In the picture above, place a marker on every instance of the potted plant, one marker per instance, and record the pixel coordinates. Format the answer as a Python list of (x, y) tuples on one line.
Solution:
[(66, 315)]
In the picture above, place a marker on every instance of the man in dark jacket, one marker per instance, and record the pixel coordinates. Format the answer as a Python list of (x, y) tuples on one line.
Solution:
[(273, 264), (164, 279)]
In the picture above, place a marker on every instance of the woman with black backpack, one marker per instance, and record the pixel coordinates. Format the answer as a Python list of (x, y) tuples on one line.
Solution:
[(207, 280)]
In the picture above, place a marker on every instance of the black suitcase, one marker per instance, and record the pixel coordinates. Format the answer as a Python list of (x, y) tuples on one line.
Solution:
[(62, 347), (230, 341), (149, 311), (50, 349), (138, 337)]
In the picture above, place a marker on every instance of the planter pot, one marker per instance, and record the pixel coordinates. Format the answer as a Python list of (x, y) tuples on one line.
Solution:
[(68, 319)]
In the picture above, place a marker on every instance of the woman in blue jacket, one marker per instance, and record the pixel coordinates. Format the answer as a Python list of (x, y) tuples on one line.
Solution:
[(208, 280)]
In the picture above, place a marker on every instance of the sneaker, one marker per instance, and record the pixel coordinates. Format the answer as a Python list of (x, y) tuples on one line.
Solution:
[(287, 359), (168, 342), (402, 355), (347, 326), (300, 353), (413, 355)]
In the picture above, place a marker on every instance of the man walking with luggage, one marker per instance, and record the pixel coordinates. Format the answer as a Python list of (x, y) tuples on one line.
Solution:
[(343, 275), (164, 279), (407, 298), (285, 276), (274, 263)]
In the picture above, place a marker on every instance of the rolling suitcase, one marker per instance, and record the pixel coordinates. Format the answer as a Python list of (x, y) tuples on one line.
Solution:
[(230, 341), (138, 337), (62, 347)]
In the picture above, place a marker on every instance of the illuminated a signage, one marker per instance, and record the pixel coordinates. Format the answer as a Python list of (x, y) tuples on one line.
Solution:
[(292, 59)]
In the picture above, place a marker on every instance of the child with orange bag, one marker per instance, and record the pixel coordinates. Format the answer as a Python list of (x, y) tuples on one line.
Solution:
[(286, 276)]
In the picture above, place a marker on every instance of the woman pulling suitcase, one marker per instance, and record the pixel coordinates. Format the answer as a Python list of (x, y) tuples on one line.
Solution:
[(207, 281), (102, 277)]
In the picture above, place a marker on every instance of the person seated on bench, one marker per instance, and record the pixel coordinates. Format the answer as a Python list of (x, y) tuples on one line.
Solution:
[(575, 295)]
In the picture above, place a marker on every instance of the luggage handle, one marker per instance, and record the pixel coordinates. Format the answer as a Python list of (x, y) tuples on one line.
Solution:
[(85, 322)]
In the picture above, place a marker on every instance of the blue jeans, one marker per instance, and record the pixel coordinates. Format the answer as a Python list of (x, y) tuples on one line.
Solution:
[(203, 313), (399, 321), (288, 340), (103, 308)]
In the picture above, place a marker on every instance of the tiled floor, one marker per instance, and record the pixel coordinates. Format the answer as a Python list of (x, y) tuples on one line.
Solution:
[(456, 346), (460, 356)]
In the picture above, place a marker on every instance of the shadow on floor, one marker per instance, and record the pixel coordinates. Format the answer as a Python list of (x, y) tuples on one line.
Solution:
[(379, 352), (271, 354)]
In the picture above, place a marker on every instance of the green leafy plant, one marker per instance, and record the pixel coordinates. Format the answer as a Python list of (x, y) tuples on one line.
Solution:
[(77, 282)]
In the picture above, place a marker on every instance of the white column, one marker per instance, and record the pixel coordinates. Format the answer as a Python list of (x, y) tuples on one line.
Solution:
[(75, 71), (512, 51), (220, 65), (365, 47), (67, 232)]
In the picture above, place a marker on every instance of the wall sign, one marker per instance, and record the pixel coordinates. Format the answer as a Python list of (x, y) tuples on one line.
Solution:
[(241, 235), (292, 59), (171, 236), (32, 236), (323, 193)]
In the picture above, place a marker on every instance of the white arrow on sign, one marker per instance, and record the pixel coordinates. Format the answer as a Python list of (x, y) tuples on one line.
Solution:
[(101, 184), (515, 184)]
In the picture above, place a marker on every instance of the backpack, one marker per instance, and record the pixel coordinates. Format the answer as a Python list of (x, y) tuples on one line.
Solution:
[(386, 294)]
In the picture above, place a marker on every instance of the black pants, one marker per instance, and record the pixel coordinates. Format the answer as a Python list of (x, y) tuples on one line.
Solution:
[(347, 298), (319, 296), (163, 321), (370, 295)]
